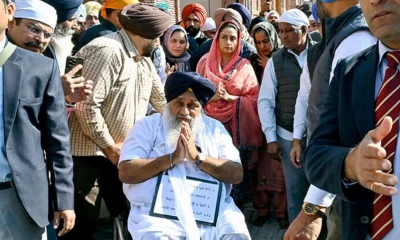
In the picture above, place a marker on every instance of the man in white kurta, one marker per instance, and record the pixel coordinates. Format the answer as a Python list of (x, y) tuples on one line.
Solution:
[(149, 144)]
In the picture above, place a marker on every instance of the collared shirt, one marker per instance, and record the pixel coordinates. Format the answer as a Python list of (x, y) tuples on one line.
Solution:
[(5, 171), (380, 74), (123, 84), (364, 39), (267, 98)]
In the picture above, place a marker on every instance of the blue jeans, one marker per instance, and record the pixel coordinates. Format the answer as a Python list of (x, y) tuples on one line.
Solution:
[(295, 180)]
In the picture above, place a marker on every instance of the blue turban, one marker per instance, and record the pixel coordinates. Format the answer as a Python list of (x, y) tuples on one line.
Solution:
[(65, 8), (243, 11), (179, 82), (314, 12)]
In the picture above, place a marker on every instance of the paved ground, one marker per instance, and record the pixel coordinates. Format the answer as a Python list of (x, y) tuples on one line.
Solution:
[(270, 230)]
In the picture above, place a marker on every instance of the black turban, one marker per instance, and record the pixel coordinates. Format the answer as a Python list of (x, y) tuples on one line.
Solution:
[(179, 82), (146, 21), (65, 8)]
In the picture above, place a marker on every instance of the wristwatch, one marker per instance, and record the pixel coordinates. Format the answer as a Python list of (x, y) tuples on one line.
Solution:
[(200, 158), (312, 210)]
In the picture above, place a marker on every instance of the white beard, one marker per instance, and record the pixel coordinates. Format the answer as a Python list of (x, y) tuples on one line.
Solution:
[(62, 47), (173, 127)]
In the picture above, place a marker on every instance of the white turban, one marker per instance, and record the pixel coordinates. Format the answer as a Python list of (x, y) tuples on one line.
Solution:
[(271, 12), (295, 17), (36, 10), (311, 18), (209, 25)]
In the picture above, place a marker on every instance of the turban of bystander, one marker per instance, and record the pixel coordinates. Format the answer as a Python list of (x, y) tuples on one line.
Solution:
[(115, 4), (198, 10), (225, 14), (65, 8), (92, 6), (146, 21), (243, 11), (36, 10), (179, 82)]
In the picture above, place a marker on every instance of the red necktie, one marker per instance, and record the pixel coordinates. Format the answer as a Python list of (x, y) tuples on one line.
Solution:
[(387, 104)]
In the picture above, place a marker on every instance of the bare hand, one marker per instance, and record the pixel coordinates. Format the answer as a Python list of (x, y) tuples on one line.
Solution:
[(69, 82), (366, 164), (275, 151), (188, 141), (262, 60), (69, 221), (80, 93), (180, 151), (295, 153), (113, 152), (169, 69), (304, 227), (223, 93)]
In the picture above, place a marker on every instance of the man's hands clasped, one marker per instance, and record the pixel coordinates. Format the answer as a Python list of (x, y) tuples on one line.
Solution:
[(186, 148)]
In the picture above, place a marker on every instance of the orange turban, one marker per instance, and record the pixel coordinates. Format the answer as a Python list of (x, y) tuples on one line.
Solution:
[(115, 4), (198, 10)]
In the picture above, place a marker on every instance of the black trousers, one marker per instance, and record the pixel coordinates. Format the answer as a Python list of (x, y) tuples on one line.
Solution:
[(95, 177)]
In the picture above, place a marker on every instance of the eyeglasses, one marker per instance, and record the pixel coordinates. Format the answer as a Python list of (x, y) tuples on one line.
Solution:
[(38, 32)]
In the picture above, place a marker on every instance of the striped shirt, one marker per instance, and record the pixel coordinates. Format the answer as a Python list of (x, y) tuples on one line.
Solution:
[(123, 84)]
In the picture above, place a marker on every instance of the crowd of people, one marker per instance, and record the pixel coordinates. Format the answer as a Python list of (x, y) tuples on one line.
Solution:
[(112, 100)]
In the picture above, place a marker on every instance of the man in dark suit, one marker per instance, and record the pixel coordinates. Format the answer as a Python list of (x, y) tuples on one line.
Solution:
[(33, 125), (354, 152)]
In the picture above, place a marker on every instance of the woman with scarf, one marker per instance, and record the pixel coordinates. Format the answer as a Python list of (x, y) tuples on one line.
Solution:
[(175, 44), (235, 102), (270, 186), (267, 42)]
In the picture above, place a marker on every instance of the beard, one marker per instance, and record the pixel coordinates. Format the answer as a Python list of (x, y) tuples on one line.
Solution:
[(173, 126), (192, 31), (149, 49), (60, 31), (62, 45)]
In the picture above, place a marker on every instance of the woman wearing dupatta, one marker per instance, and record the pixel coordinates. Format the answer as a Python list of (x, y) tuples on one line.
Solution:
[(235, 103), (175, 44), (267, 43), (270, 186)]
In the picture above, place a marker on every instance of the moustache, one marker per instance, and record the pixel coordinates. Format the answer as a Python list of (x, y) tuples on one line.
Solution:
[(35, 44), (183, 117)]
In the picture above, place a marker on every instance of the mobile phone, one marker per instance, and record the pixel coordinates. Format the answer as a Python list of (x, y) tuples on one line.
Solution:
[(72, 61)]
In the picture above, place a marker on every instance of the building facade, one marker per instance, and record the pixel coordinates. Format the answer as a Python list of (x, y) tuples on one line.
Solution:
[(255, 6)]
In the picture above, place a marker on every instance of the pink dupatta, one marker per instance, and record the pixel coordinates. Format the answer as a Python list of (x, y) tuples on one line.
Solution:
[(239, 117)]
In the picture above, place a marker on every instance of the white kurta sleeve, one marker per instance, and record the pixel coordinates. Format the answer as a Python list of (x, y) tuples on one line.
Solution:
[(138, 143), (266, 102), (300, 115), (226, 149)]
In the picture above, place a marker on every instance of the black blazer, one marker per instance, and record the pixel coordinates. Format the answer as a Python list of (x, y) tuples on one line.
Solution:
[(35, 125), (349, 115)]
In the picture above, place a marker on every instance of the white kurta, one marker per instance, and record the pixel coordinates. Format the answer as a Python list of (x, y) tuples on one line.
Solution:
[(147, 140)]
